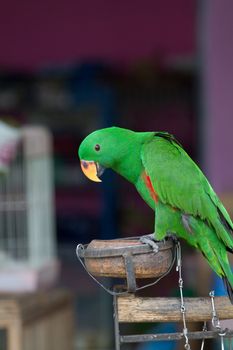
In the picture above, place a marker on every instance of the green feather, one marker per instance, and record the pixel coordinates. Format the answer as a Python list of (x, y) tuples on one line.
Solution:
[(181, 184)]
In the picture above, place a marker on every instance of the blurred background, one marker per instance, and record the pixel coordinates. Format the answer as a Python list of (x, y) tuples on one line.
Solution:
[(66, 69)]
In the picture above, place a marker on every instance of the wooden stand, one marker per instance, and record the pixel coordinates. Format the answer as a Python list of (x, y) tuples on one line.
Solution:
[(131, 259), (132, 309), (42, 321)]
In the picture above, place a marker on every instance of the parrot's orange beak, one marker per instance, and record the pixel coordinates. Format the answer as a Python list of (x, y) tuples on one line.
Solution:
[(90, 169)]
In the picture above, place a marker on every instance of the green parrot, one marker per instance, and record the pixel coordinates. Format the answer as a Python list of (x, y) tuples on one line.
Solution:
[(171, 183)]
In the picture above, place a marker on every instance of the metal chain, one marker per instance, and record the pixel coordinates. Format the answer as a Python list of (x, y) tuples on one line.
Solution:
[(215, 320), (182, 306), (204, 329)]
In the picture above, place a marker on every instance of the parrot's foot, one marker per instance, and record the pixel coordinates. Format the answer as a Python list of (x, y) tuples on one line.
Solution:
[(149, 239)]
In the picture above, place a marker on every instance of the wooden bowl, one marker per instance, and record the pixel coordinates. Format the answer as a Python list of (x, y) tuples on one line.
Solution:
[(106, 258)]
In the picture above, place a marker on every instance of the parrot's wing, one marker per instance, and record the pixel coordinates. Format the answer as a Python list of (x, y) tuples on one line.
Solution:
[(179, 182)]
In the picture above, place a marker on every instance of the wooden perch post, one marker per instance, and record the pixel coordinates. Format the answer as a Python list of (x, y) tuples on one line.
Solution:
[(136, 309), (131, 259)]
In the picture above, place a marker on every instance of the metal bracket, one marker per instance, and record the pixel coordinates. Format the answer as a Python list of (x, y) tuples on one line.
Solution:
[(130, 273)]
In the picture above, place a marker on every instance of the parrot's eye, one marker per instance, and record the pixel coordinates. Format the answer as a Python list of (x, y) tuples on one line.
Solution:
[(97, 147)]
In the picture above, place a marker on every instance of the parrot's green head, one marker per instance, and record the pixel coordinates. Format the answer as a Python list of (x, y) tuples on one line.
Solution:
[(112, 147)]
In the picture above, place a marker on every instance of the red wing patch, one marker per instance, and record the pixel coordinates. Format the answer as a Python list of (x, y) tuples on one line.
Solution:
[(148, 183)]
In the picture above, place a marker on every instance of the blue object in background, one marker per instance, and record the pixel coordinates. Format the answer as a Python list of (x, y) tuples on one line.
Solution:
[(162, 345), (218, 286)]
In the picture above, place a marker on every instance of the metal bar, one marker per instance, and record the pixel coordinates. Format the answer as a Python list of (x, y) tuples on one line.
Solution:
[(130, 274), (116, 324), (137, 338)]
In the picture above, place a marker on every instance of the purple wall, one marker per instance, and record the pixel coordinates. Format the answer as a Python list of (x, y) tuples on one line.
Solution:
[(33, 33), (218, 93)]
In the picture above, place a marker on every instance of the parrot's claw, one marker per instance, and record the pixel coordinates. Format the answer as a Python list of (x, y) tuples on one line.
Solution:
[(149, 239)]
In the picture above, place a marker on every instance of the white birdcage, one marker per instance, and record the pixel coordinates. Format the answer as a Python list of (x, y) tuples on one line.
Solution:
[(27, 240)]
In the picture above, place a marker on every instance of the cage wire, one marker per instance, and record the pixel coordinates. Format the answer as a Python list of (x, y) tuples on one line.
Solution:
[(13, 234), (26, 206)]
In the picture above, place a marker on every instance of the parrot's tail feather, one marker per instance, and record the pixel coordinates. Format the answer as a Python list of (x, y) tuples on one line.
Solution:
[(228, 288), (229, 250), (227, 224)]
